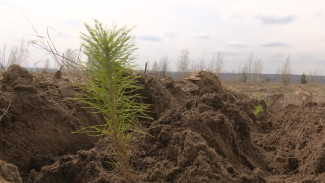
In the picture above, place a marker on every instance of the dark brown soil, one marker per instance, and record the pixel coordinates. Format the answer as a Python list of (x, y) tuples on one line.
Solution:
[(296, 147), (37, 128), (200, 132)]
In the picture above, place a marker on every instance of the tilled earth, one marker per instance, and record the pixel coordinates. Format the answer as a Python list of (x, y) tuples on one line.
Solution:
[(200, 132)]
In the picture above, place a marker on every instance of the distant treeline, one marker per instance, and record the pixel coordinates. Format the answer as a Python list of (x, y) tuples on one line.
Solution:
[(272, 78)]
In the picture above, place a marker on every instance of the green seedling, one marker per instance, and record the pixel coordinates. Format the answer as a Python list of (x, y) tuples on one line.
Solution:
[(258, 111), (256, 96), (110, 88)]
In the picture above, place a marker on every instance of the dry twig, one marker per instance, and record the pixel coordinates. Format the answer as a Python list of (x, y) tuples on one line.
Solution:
[(5, 111)]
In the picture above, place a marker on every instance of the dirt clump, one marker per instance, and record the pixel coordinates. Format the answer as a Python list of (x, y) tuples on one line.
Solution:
[(38, 120), (16, 74), (9, 173), (86, 166)]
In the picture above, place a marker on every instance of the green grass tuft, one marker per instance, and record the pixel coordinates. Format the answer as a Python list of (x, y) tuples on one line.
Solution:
[(258, 111)]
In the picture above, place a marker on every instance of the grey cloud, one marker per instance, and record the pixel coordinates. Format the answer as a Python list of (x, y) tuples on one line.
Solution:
[(318, 61), (237, 45), (171, 34), (230, 54), (7, 3), (236, 16), (279, 55), (310, 58), (319, 15), (275, 44), (15, 39), (204, 37), (62, 36), (149, 38), (74, 23), (276, 20)]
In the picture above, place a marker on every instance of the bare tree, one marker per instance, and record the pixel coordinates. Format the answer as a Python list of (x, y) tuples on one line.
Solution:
[(219, 63), (246, 70), (3, 61), (163, 67), (216, 64), (253, 67), (318, 76), (278, 75), (233, 75), (194, 66), (46, 64), (18, 54), (210, 67), (42, 65), (251, 58), (201, 63), (314, 76), (257, 69), (183, 66), (71, 60), (310, 77), (71, 64), (286, 71), (244, 73), (154, 69)]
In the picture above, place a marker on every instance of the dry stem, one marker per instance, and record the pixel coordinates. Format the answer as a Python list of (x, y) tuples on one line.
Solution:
[(5, 111)]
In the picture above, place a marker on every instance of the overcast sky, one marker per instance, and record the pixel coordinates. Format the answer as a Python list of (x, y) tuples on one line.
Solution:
[(272, 29)]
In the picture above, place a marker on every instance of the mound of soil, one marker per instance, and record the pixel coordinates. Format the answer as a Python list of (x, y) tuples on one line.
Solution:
[(296, 147), (201, 133), (38, 118), (16, 75)]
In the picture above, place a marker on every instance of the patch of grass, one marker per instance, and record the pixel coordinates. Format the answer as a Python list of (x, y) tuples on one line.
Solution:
[(258, 111), (256, 96)]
